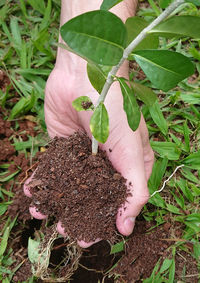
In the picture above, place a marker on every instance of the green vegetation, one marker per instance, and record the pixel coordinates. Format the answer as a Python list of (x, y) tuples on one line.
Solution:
[(27, 55)]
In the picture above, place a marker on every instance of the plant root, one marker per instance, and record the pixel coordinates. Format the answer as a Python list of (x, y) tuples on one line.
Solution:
[(71, 260)]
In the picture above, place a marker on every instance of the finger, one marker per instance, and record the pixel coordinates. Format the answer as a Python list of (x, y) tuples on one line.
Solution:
[(128, 158), (61, 229), (26, 187), (82, 244), (85, 245), (36, 214), (147, 150)]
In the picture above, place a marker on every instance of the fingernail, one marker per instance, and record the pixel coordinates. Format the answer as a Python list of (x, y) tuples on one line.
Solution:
[(129, 224)]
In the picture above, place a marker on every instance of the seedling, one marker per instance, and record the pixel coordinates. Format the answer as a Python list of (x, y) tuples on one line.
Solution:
[(102, 39)]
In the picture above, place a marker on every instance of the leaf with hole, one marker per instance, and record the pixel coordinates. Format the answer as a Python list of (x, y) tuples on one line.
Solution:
[(101, 43), (165, 69), (99, 123), (130, 105), (83, 103)]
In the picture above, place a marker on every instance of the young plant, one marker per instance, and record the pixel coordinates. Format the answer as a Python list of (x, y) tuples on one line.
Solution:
[(102, 39)]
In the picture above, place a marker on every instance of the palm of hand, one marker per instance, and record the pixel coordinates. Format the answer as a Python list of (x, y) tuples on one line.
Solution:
[(131, 153)]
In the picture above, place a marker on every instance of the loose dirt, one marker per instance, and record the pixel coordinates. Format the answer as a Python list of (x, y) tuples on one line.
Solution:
[(83, 191)]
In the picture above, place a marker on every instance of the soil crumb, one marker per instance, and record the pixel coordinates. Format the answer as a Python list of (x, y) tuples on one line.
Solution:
[(83, 191)]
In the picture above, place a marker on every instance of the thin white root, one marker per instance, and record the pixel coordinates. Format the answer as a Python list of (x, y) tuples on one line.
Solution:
[(167, 180), (72, 257)]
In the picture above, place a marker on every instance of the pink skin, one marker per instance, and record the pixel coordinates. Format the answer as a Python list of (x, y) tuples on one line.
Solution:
[(131, 153)]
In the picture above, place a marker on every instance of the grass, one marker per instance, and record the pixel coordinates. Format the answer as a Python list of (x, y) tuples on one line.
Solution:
[(27, 55)]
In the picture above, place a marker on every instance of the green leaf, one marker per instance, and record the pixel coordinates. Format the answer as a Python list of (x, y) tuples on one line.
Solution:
[(3, 208), (164, 3), (99, 123), (165, 69), (166, 264), (35, 254), (108, 4), (117, 248), (101, 43), (158, 172), (134, 26), (144, 93), (33, 250), (166, 149), (186, 132), (180, 26), (14, 26), (96, 77), (83, 103), (193, 161), (158, 117), (9, 177), (130, 105), (172, 272), (23, 105), (195, 2), (4, 241), (173, 209)]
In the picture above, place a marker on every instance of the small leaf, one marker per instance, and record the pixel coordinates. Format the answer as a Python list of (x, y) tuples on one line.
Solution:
[(166, 264), (23, 105), (35, 254), (165, 69), (101, 43), (9, 177), (83, 103), (158, 172), (108, 4), (130, 105), (144, 93), (96, 77), (4, 241), (193, 160), (99, 123), (180, 26), (134, 26), (117, 248), (33, 250), (166, 149), (173, 209), (158, 117)]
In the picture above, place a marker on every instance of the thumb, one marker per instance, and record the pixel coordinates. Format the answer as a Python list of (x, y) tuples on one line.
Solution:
[(128, 158)]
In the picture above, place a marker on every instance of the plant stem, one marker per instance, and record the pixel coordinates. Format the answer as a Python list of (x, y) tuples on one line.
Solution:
[(127, 52)]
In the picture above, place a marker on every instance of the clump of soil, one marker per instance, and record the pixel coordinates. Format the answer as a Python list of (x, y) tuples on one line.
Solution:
[(81, 190)]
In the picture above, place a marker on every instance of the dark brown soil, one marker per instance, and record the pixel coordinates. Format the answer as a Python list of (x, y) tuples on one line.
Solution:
[(142, 252), (81, 190)]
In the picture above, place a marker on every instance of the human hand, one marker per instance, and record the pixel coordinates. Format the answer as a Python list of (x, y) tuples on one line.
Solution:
[(131, 153)]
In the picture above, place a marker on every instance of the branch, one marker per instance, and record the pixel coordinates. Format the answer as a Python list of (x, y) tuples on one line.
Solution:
[(127, 52)]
